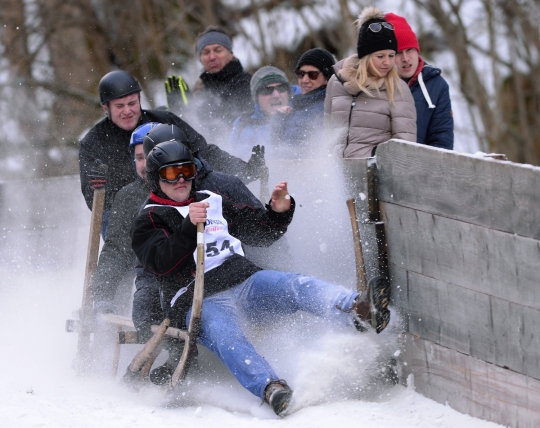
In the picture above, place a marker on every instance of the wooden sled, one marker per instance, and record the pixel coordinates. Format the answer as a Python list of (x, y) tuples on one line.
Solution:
[(141, 365)]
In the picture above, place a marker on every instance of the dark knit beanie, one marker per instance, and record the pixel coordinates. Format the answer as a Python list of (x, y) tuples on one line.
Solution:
[(320, 58), (213, 38), (406, 39), (266, 76), (370, 41)]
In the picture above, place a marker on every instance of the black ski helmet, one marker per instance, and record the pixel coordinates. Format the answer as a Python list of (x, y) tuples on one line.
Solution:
[(117, 84), (166, 153), (161, 133)]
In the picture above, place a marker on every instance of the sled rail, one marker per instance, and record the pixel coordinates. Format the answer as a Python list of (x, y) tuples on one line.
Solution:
[(126, 322)]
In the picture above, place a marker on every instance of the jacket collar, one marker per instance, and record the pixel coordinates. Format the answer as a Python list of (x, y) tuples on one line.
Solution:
[(166, 201), (311, 97), (215, 80), (346, 74), (419, 69)]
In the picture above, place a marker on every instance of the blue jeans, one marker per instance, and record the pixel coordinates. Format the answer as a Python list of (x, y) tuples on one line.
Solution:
[(263, 296)]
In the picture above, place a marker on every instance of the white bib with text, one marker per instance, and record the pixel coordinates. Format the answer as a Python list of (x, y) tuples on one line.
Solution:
[(219, 244)]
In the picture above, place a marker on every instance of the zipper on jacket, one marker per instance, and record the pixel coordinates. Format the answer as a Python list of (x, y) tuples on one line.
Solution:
[(353, 103)]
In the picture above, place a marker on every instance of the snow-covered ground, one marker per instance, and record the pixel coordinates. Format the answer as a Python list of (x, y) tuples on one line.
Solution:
[(335, 374), (332, 373)]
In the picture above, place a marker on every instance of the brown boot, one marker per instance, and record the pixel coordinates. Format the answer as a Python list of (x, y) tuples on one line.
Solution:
[(372, 306), (278, 395)]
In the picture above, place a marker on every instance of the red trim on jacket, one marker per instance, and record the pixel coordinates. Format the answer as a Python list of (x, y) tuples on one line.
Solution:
[(418, 71), (163, 201)]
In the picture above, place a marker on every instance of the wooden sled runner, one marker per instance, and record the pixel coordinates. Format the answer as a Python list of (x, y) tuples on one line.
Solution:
[(84, 324), (141, 365)]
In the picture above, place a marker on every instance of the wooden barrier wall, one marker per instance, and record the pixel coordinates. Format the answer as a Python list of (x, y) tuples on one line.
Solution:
[(463, 235)]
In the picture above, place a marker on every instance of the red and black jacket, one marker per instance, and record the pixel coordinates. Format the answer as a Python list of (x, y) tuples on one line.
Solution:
[(164, 242)]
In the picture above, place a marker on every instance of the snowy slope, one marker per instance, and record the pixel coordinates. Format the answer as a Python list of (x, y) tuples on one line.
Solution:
[(330, 371)]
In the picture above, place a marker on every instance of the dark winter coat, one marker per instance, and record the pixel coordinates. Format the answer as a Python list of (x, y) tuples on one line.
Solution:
[(109, 143), (303, 126), (164, 242), (221, 97), (117, 259), (434, 126)]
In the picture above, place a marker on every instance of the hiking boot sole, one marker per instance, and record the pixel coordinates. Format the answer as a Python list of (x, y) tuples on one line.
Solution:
[(379, 297)]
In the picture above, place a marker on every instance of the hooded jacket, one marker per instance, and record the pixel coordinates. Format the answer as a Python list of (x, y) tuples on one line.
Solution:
[(434, 119), (358, 122)]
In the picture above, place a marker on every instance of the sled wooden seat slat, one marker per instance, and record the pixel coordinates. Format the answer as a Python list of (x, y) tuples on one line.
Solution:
[(126, 322)]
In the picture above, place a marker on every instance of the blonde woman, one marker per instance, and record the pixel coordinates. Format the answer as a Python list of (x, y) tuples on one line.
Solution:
[(366, 102)]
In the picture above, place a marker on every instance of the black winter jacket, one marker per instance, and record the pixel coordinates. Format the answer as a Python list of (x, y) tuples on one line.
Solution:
[(109, 143), (117, 258), (164, 242), (220, 98)]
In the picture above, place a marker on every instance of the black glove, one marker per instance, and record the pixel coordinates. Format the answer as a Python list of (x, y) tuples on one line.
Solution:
[(176, 90), (256, 165), (98, 175)]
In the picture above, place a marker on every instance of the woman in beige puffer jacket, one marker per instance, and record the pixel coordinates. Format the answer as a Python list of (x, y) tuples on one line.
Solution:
[(366, 102)]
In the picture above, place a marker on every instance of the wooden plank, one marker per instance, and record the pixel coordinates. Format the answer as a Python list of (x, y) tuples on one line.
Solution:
[(496, 194), (400, 294), (475, 324), (127, 322), (354, 173), (488, 261), (470, 385)]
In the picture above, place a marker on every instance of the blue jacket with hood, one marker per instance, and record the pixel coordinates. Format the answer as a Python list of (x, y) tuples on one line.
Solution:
[(434, 119)]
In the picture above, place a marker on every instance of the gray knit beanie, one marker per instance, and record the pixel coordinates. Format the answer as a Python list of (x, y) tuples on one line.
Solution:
[(265, 76), (213, 38)]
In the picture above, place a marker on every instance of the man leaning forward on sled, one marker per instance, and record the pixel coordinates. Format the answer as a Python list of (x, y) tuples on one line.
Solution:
[(164, 240)]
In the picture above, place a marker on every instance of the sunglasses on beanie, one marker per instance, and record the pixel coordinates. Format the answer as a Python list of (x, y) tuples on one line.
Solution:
[(173, 173), (378, 26)]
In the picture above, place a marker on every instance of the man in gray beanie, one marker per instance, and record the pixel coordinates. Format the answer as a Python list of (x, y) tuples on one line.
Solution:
[(270, 91), (222, 92)]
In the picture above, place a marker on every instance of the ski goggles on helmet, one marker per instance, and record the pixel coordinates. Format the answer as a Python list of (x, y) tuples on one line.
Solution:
[(269, 90), (378, 26), (313, 74), (172, 173)]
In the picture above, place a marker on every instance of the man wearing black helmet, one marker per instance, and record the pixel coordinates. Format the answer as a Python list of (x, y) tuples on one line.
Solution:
[(107, 142), (112, 282), (236, 291), (116, 258)]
